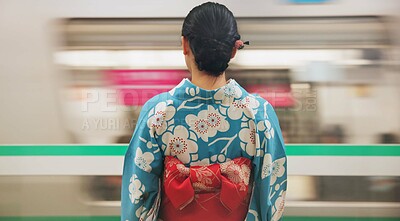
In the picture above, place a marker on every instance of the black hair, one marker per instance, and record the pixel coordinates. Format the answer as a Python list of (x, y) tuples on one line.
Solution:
[(211, 30)]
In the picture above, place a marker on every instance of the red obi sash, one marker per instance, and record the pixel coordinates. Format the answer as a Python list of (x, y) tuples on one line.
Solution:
[(214, 192)]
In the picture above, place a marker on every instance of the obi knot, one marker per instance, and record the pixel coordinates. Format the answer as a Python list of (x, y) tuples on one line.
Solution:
[(230, 179)]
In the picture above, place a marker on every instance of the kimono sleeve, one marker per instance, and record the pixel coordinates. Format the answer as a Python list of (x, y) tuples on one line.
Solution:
[(140, 193), (270, 173)]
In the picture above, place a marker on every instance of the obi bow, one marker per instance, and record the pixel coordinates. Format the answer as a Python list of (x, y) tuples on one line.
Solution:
[(229, 179)]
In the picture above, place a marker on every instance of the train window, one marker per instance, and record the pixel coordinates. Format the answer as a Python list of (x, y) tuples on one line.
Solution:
[(307, 68)]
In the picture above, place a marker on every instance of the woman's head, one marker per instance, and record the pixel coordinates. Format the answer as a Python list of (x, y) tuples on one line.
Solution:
[(210, 30)]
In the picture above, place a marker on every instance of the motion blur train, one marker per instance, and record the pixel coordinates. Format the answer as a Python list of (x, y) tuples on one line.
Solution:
[(330, 69)]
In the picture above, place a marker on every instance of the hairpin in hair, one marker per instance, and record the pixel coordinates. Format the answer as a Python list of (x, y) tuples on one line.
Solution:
[(239, 44)]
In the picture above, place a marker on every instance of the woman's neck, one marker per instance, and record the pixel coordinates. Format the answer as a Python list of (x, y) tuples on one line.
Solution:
[(208, 82)]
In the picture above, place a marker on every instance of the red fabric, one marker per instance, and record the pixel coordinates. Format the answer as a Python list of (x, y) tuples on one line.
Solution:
[(215, 192)]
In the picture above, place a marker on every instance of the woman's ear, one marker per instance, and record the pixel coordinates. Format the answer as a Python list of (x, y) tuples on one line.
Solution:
[(234, 50), (185, 45)]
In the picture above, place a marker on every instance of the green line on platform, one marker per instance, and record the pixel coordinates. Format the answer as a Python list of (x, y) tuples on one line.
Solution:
[(342, 150), (120, 149)]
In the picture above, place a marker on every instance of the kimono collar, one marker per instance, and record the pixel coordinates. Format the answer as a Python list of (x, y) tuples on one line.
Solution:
[(186, 90)]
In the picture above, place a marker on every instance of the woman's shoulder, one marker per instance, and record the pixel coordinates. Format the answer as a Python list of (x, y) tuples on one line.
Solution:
[(255, 99), (156, 103), (267, 112), (153, 101), (265, 109)]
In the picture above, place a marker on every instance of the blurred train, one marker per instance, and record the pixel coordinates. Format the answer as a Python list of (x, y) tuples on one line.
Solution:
[(330, 71)]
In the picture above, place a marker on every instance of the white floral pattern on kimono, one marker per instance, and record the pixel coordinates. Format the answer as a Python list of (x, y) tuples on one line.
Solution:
[(136, 189), (228, 93), (201, 127), (246, 106), (266, 166), (207, 123), (249, 138), (178, 143), (143, 160), (160, 115), (278, 169), (267, 128), (279, 206)]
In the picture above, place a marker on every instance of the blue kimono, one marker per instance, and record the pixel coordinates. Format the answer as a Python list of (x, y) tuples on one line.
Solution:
[(202, 127)]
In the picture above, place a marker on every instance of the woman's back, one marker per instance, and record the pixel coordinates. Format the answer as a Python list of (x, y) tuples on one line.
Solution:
[(207, 148), (203, 127), (207, 126)]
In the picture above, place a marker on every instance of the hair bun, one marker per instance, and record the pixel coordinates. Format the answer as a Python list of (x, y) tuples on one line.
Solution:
[(213, 56), (212, 31)]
